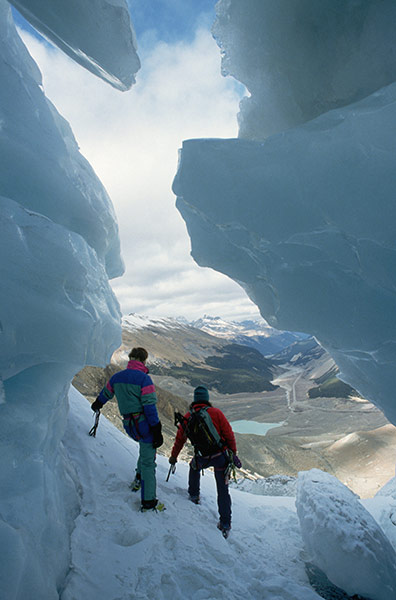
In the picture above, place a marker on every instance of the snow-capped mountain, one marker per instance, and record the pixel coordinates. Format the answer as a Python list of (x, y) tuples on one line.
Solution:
[(178, 348), (135, 321), (221, 327), (254, 333)]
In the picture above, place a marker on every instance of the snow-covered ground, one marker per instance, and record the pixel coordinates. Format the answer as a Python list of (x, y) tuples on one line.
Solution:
[(119, 553)]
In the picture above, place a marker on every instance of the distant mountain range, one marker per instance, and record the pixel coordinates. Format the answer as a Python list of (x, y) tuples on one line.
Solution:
[(226, 356), (255, 333), (195, 355)]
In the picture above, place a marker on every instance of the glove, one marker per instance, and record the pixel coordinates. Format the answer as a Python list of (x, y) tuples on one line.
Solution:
[(97, 405), (158, 440), (172, 460), (237, 462)]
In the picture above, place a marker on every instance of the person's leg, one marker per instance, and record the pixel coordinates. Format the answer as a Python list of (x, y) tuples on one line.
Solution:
[(194, 479), (128, 429), (223, 494), (147, 467)]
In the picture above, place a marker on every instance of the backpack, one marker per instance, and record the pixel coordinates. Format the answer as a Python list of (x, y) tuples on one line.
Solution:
[(202, 433)]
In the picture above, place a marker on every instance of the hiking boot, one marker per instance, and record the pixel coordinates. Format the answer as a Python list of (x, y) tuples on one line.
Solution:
[(136, 484), (195, 499), (225, 529), (153, 505)]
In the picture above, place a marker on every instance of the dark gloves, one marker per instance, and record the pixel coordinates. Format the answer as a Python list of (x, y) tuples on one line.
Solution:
[(158, 440), (237, 462), (172, 460), (97, 405)]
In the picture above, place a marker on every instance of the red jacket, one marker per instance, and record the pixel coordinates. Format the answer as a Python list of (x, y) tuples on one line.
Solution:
[(219, 421)]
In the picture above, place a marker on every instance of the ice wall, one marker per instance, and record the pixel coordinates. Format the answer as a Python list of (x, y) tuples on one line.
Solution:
[(305, 222), (58, 247), (300, 58), (343, 539), (98, 34)]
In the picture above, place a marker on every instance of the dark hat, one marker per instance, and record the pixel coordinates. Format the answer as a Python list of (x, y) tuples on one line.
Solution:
[(201, 395)]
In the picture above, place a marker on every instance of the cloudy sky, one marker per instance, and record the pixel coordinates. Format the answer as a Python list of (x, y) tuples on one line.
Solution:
[(132, 139)]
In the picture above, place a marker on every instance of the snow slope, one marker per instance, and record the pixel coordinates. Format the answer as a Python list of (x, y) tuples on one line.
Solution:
[(120, 553)]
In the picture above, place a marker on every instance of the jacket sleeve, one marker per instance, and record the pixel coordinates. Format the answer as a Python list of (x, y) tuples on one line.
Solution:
[(149, 401), (107, 392), (181, 438)]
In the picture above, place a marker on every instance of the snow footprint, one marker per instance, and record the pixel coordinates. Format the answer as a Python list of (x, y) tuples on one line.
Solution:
[(115, 484), (128, 537)]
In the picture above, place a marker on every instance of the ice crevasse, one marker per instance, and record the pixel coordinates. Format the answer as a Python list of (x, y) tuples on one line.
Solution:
[(304, 220), (59, 247)]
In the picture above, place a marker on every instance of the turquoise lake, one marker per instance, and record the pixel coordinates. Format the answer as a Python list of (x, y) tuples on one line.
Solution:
[(253, 427)]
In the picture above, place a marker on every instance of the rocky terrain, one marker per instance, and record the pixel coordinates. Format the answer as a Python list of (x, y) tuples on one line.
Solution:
[(323, 422)]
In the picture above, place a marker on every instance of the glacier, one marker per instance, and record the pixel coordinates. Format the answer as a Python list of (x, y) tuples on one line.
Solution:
[(59, 247), (65, 525), (300, 211), (343, 538), (301, 58), (97, 34), (304, 221)]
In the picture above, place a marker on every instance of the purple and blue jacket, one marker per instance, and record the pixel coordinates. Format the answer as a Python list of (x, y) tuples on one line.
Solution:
[(136, 397)]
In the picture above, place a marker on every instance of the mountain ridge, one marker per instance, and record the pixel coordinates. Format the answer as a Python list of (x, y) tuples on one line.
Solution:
[(252, 332)]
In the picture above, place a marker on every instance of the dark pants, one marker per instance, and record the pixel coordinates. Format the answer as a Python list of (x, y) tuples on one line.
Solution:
[(219, 463)]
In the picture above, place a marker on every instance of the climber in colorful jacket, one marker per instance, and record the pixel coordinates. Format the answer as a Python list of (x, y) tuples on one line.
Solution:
[(219, 460), (136, 397)]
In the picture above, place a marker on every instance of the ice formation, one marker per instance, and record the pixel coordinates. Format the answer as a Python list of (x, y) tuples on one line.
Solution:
[(343, 539), (98, 34), (59, 246), (305, 221), (300, 58)]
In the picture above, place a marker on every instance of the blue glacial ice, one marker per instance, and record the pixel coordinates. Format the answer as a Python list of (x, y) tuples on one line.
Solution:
[(301, 58), (304, 221), (97, 34), (59, 247), (343, 539)]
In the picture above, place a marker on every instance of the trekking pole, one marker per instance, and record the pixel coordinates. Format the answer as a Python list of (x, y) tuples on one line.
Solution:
[(92, 431), (172, 470)]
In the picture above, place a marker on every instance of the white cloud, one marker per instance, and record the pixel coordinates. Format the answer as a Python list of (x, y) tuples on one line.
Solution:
[(131, 139)]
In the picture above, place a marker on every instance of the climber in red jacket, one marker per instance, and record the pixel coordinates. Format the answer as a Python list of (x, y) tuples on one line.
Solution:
[(223, 451)]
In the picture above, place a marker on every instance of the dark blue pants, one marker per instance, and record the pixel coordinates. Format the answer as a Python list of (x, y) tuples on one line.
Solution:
[(219, 463)]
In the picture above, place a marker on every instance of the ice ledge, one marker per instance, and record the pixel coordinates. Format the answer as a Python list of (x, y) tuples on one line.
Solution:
[(300, 58), (97, 34), (305, 222)]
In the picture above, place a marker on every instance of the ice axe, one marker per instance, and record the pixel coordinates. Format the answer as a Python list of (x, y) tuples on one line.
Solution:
[(172, 470), (92, 431)]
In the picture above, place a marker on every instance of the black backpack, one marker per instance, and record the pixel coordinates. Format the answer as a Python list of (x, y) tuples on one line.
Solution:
[(201, 432)]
